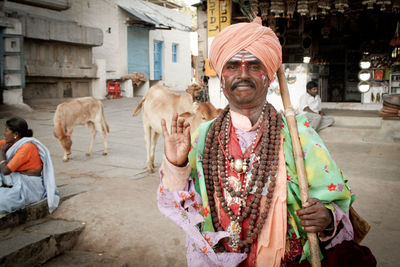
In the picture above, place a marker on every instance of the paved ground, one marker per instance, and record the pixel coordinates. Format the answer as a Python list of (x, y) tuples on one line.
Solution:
[(123, 225)]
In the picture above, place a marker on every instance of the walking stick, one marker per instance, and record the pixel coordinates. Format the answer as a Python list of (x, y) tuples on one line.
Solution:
[(298, 156)]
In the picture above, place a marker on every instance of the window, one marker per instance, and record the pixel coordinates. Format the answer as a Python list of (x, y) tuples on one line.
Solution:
[(174, 52)]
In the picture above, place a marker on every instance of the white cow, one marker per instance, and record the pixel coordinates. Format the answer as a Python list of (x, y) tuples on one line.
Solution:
[(79, 111)]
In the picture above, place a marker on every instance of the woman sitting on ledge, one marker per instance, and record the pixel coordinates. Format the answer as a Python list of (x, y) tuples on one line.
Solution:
[(27, 173)]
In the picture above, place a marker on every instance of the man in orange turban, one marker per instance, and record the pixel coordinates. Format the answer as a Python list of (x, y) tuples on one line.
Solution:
[(252, 37), (234, 188)]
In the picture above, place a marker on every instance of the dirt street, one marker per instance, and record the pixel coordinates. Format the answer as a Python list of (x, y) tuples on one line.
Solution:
[(119, 207)]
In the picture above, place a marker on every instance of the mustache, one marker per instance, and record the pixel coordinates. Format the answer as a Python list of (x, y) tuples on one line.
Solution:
[(251, 83)]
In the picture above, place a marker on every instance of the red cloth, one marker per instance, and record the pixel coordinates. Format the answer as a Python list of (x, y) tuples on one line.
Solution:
[(346, 254)]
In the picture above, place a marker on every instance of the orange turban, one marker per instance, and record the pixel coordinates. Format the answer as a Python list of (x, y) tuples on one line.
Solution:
[(253, 37)]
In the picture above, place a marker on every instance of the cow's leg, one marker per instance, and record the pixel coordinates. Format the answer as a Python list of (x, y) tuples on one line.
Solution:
[(102, 130), (154, 137), (147, 139), (66, 152), (92, 136)]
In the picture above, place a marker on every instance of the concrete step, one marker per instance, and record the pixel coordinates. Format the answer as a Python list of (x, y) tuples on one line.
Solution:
[(36, 243), (39, 209), (389, 133), (353, 121), (355, 118)]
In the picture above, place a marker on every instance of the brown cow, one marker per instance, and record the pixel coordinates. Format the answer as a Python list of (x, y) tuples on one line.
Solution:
[(161, 103), (194, 90), (79, 111)]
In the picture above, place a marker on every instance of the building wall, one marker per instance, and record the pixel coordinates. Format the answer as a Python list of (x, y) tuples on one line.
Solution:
[(12, 96), (107, 16), (112, 20), (58, 58), (177, 75)]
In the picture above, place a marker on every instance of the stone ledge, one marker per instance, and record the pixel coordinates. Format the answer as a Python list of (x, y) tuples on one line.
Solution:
[(38, 209), (37, 244)]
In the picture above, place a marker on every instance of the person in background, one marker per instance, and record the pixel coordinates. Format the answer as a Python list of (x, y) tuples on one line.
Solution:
[(27, 173), (310, 105)]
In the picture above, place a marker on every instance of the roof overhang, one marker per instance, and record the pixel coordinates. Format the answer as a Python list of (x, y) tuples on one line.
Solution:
[(139, 18)]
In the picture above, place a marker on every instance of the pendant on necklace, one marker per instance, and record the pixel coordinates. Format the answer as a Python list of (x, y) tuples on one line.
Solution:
[(238, 165), (234, 231)]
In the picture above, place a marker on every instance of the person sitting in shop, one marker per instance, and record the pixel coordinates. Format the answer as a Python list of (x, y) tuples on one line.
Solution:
[(310, 106)]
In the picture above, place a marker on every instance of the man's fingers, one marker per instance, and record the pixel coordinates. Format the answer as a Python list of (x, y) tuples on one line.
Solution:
[(174, 123), (310, 202), (307, 210), (310, 216), (180, 125), (164, 128), (187, 131)]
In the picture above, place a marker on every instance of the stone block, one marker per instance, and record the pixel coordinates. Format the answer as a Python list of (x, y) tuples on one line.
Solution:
[(62, 31), (39, 209), (36, 244), (13, 97)]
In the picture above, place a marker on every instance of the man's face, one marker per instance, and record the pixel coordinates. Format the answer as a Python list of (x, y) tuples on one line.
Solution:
[(245, 80), (313, 91)]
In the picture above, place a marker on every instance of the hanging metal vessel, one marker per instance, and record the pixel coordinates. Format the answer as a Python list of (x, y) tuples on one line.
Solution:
[(383, 4), (277, 7), (302, 7), (341, 5), (313, 7), (369, 3)]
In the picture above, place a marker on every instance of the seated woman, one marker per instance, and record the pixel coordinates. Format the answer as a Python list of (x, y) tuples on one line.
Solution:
[(27, 173)]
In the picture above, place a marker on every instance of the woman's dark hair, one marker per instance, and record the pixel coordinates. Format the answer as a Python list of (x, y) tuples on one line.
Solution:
[(19, 125)]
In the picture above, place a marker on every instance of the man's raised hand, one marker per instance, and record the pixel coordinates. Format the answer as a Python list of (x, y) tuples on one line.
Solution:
[(176, 143)]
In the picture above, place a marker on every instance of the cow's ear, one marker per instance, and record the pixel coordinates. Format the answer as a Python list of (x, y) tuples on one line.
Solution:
[(219, 110), (185, 115), (55, 135)]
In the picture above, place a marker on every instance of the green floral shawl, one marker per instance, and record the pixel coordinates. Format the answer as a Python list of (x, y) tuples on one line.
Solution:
[(326, 181)]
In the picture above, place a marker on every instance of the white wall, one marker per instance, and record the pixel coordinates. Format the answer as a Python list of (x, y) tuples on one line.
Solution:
[(177, 75), (107, 16)]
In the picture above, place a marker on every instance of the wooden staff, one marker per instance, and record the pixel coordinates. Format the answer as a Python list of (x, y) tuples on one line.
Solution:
[(298, 155)]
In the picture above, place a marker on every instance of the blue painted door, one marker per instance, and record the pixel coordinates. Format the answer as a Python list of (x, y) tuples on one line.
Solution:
[(138, 50), (157, 60)]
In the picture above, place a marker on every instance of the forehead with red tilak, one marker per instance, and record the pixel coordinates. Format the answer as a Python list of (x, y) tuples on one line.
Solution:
[(245, 58)]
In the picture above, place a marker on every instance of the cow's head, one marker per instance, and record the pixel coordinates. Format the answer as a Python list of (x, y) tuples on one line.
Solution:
[(203, 112), (194, 90), (65, 141)]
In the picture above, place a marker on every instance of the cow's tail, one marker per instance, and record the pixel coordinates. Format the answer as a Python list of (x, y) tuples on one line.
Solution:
[(104, 119), (139, 107)]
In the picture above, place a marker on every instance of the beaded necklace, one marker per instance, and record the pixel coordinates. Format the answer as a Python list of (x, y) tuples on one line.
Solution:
[(263, 175)]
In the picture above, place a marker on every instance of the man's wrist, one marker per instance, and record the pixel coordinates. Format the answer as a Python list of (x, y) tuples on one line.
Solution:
[(183, 164)]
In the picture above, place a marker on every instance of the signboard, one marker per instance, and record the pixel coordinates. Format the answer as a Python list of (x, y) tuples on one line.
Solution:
[(225, 10), (218, 16)]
